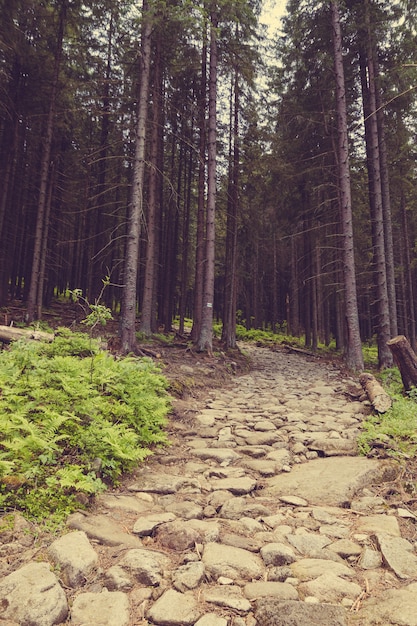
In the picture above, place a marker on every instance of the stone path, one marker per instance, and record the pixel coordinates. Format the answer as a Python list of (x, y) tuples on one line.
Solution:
[(259, 514)]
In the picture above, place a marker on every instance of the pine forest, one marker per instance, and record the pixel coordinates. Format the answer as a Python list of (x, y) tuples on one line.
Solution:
[(180, 163)]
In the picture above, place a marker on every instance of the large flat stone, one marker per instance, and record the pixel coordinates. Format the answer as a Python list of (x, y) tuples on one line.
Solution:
[(274, 612), (332, 480), (396, 607), (102, 529)]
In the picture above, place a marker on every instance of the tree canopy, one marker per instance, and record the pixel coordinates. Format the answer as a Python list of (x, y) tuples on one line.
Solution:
[(175, 152)]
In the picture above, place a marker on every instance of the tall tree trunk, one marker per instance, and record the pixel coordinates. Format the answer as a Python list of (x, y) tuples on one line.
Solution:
[(35, 283), (377, 216), (205, 339), (95, 265), (409, 302), (293, 321), (148, 317), (353, 348), (386, 204), (200, 234), (128, 314), (229, 312)]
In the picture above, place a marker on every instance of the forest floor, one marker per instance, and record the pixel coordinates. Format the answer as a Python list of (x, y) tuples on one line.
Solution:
[(277, 414)]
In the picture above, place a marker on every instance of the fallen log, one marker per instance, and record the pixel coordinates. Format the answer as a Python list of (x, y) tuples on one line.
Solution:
[(378, 397), (406, 360), (10, 333)]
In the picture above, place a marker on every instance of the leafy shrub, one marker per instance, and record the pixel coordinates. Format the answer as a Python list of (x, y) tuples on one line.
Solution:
[(65, 405)]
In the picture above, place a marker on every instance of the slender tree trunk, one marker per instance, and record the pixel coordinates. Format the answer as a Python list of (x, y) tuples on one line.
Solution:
[(380, 270), (386, 205), (200, 235), (135, 218), (294, 291), (353, 349), (148, 316), (35, 282), (229, 320), (44, 247), (205, 340), (409, 302)]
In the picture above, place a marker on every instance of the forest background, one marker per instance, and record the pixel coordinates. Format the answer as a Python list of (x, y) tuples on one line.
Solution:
[(204, 170)]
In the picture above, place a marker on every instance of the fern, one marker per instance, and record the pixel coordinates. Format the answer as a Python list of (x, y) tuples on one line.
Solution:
[(64, 404)]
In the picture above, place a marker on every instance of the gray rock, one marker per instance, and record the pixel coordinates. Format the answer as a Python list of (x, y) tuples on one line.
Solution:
[(75, 556), (177, 536), (263, 439), (126, 503), (279, 574), (235, 563), (335, 531), (281, 456), (102, 529), (165, 484), (221, 455), (263, 467), (236, 508), (117, 579), (264, 426), (236, 486), (396, 606), (277, 554), (332, 480), (145, 526), (33, 596), (109, 608), (346, 548), (146, 566), (334, 447), (306, 569), (241, 541), (275, 612), (186, 510), (207, 531), (398, 554), (211, 619), (229, 596), (308, 543), (175, 609), (255, 452), (188, 576), (293, 500), (283, 591), (379, 524), (331, 588), (370, 559), (368, 504)]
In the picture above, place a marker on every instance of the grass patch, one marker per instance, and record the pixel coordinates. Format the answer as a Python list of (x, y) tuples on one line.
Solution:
[(396, 430)]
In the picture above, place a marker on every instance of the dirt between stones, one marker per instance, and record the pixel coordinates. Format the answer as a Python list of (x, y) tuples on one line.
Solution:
[(247, 431)]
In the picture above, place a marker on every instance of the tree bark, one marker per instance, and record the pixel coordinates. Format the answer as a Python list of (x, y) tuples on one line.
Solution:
[(377, 217), (10, 333), (406, 360), (40, 232), (205, 340), (200, 234), (128, 316), (378, 397), (229, 312), (353, 348), (148, 317)]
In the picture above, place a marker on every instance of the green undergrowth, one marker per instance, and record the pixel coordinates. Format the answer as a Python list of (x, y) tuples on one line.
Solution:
[(396, 430), (73, 419)]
